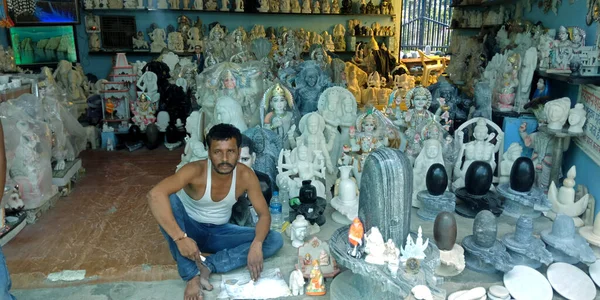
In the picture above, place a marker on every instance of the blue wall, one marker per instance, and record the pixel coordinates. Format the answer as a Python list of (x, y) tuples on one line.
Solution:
[(572, 15), (100, 65)]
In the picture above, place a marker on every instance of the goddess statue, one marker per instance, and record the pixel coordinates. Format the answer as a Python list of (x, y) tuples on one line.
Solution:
[(304, 166), (237, 48), (143, 112), (481, 149), (370, 135), (312, 128), (419, 99), (278, 104), (215, 44)]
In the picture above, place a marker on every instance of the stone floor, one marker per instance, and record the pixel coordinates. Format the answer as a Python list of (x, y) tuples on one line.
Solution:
[(105, 228)]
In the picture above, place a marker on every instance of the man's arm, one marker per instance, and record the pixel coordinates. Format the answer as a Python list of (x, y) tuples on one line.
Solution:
[(158, 199)]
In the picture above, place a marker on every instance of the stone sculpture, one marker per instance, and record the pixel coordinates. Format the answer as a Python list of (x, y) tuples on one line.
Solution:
[(312, 135), (543, 145), (338, 108), (430, 154), (296, 282), (513, 152), (483, 253), (592, 233), (565, 244), (194, 147), (524, 248), (278, 111), (310, 83), (577, 118), (143, 112), (521, 197), (452, 256), (557, 112), (299, 231), (476, 194), (414, 249), (415, 118), (374, 247), (525, 76), (316, 283), (483, 101), (346, 201), (267, 146), (435, 199), (563, 199), (158, 37), (229, 111)]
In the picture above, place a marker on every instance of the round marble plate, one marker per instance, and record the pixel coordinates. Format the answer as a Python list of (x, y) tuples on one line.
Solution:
[(525, 283), (570, 281), (594, 271)]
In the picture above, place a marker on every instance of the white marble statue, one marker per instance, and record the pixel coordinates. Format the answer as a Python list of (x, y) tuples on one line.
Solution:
[(326, 7), (418, 114), (346, 201), (229, 111), (224, 5), (306, 7), (239, 5), (277, 111), (147, 84), (369, 134), (312, 135), (211, 5), (564, 202), (296, 283), (557, 112), (299, 231), (198, 5), (162, 120), (295, 4), (513, 152), (25, 163), (414, 249), (421, 292), (338, 107), (285, 6), (143, 111), (577, 118), (175, 42), (158, 37), (391, 253), (481, 148), (194, 147), (528, 66), (431, 153), (374, 247), (562, 51), (301, 167)]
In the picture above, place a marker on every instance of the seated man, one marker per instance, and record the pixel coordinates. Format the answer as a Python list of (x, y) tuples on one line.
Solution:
[(193, 208), (241, 214)]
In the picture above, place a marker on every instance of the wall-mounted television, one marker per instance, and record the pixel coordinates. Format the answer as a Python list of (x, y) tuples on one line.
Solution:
[(43, 45), (40, 12)]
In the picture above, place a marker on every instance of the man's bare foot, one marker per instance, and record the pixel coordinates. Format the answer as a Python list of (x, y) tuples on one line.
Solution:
[(204, 277), (193, 289)]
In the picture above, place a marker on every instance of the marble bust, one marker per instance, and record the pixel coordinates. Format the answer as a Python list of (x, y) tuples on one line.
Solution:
[(577, 118), (299, 231), (229, 111), (557, 112)]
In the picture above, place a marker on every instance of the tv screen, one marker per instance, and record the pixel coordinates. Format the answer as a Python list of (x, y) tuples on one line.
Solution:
[(43, 12), (43, 45)]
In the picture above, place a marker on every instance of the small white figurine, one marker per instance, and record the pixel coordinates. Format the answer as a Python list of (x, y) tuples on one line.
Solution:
[(306, 7), (317, 7), (374, 247), (414, 249), (106, 128), (557, 112), (263, 6), (508, 159), (162, 4), (224, 5), (110, 145), (326, 9), (194, 148), (431, 154), (296, 283), (198, 5), (564, 202), (211, 5), (239, 5), (391, 253), (421, 292), (577, 118), (299, 231)]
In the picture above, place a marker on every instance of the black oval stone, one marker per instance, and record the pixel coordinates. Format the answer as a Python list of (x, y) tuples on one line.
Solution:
[(152, 136), (522, 174), (436, 179), (478, 178), (445, 230), (135, 134), (172, 134)]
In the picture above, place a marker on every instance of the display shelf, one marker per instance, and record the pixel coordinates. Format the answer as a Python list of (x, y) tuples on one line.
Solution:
[(483, 4), (576, 80), (130, 52), (368, 36), (237, 13), (473, 28)]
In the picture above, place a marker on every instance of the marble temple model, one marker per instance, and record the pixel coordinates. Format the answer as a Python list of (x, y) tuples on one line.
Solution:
[(565, 244), (564, 202), (452, 255), (522, 198)]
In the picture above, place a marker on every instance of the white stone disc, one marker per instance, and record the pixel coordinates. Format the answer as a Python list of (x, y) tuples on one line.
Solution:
[(571, 282), (525, 283), (594, 271)]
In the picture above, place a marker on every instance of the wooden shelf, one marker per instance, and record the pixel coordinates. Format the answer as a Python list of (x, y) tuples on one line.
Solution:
[(576, 80), (473, 28), (483, 4), (236, 13), (131, 52)]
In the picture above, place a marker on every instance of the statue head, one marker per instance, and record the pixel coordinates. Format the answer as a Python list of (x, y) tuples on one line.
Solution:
[(299, 228), (228, 110), (302, 153), (432, 148), (513, 152), (280, 100), (349, 105), (369, 123), (563, 34), (480, 133), (228, 80), (311, 77), (332, 103), (577, 115), (247, 152), (223, 142), (313, 123), (419, 97)]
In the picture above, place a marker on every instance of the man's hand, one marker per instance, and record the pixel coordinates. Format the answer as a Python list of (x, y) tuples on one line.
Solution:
[(188, 248), (255, 260)]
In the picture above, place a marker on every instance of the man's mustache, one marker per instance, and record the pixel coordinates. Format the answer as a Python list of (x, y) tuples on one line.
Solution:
[(225, 164)]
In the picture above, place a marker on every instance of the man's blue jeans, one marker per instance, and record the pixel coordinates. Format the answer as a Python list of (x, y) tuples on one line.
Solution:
[(228, 243), (5, 283)]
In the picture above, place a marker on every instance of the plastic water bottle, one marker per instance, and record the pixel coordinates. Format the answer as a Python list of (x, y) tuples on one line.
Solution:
[(276, 212)]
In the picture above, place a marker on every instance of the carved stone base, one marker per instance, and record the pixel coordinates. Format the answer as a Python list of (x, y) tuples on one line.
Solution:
[(340, 219), (520, 259), (560, 256)]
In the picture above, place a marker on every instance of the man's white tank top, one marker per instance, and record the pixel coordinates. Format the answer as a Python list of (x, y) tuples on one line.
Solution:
[(206, 210)]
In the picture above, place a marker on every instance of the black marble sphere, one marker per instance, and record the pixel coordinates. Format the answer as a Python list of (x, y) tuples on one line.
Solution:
[(436, 179), (478, 178), (445, 231), (522, 175)]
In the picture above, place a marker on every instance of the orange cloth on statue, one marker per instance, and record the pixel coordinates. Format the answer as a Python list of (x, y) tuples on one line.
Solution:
[(356, 232)]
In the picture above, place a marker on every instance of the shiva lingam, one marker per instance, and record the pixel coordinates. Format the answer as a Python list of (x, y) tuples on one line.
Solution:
[(431, 153), (483, 253), (563, 200), (565, 244), (524, 248), (452, 255), (308, 204), (521, 197), (435, 199), (345, 202), (592, 234), (476, 194)]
